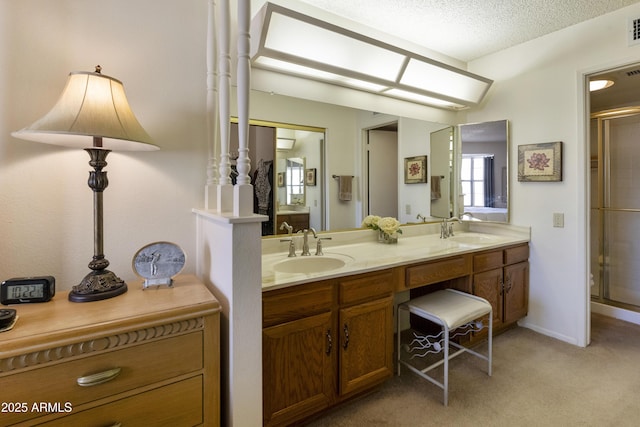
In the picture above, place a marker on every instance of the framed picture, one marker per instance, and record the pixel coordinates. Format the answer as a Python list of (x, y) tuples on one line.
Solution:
[(280, 179), (540, 162), (415, 170), (310, 177)]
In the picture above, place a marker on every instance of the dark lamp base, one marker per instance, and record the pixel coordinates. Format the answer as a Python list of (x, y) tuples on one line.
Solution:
[(98, 285)]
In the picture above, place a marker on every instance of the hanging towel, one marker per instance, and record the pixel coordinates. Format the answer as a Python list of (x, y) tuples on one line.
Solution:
[(344, 187), (435, 187)]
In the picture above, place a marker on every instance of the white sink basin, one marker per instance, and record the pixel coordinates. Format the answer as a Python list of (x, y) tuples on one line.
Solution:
[(473, 239), (311, 264)]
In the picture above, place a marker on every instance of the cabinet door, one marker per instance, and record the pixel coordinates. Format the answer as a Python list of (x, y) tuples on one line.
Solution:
[(488, 285), (366, 345), (516, 291), (298, 366)]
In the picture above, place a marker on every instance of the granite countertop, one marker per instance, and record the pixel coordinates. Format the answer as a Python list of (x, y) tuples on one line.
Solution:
[(362, 253)]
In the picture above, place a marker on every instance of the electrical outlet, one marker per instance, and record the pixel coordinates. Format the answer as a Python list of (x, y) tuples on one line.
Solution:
[(558, 220)]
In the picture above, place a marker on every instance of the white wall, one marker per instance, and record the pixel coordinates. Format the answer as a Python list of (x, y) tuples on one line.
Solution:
[(539, 89), (156, 48)]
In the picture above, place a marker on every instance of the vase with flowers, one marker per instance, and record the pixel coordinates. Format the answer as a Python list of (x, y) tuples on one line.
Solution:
[(388, 228)]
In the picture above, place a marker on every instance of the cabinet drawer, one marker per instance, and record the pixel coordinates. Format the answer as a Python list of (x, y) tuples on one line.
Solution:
[(140, 365), (516, 254), (178, 404), (437, 271), (487, 261), (366, 287), (281, 306)]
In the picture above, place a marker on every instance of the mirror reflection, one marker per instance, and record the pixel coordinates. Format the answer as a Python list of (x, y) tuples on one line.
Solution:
[(290, 180), (287, 174), (483, 171)]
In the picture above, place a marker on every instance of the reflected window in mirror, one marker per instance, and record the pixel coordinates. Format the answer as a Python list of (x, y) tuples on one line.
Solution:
[(483, 171), (476, 178), (295, 181)]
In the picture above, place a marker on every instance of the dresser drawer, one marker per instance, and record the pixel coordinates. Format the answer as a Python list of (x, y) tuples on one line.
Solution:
[(296, 302), (140, 365), (437, 271), (516, 254), (366, 287), (174, 405), (487, 261)]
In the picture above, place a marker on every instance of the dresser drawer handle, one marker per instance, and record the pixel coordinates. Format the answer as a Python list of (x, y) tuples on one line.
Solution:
[(99, 378)]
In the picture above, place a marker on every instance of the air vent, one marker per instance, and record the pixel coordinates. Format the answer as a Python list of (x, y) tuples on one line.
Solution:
[(633, 73), (634, 31)]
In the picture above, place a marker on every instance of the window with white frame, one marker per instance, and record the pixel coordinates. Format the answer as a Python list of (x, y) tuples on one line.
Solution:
[(475, 177)]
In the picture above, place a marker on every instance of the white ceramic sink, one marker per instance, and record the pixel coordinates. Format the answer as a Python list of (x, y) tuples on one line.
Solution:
[(311, 264), (473, 239)]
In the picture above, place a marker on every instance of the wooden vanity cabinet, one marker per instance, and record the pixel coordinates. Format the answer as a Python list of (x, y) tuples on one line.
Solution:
[(324, 342), (366, 331), (502, 278), (298, 350)]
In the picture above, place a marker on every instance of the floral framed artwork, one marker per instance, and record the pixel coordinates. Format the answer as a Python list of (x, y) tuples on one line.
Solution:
[(540, 162), (415, 170), (310, 177)]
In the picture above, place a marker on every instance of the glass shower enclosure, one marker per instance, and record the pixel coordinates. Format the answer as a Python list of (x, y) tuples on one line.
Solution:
[(615, 207)]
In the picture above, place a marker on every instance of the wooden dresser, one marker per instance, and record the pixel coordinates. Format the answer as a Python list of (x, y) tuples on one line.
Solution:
[(147, 358)]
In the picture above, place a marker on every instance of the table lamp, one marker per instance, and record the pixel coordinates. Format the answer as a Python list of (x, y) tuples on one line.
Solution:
[(93, 113)]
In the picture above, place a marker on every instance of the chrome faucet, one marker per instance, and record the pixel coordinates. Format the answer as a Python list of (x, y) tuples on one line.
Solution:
[(305, 241), (419, 216), (292, 245), (469, 214), (287, 226), (446, 227), (319, 245)]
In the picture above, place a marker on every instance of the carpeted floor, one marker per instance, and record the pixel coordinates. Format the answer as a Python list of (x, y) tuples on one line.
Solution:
[(537, 381)]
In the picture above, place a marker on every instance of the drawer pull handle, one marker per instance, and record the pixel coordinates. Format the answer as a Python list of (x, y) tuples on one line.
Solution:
[(99, 378)]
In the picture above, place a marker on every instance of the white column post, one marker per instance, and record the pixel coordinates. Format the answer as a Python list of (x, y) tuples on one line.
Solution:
[(228, 261), (225, 188), (213, 137), (243, 191)]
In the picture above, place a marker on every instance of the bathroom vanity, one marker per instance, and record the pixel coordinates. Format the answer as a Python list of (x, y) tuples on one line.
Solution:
[(328, 331)]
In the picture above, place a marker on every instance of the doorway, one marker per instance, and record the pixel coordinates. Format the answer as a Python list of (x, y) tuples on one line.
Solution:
[(615, 202), (382, 171)]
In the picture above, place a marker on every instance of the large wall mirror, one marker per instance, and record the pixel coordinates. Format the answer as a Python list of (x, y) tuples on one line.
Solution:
[(482, 171), (290, 179), (287, 173)]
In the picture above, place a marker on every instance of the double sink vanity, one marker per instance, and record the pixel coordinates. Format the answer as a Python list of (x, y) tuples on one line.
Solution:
[(328, 320)]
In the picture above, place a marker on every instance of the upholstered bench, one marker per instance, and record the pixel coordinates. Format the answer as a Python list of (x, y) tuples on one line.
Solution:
[(452, 310)]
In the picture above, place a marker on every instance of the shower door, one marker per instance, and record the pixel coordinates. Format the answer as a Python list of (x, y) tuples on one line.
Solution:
[(615, 215)]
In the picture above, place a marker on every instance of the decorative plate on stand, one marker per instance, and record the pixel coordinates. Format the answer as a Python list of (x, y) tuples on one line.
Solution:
[(157, 263)]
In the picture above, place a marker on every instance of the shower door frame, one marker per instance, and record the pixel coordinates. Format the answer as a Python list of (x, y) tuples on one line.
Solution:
[(603, 169)]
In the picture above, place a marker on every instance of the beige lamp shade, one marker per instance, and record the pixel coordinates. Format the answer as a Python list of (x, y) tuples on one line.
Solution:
[(91, 105)]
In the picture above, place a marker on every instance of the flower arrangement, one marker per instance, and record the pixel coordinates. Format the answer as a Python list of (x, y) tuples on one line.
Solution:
[(388, 227)]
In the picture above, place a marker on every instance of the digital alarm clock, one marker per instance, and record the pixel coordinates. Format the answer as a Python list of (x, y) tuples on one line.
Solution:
[(23, 290)]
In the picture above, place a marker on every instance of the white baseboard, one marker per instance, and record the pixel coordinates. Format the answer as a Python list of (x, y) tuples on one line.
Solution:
[(553, 334), (616, 312)]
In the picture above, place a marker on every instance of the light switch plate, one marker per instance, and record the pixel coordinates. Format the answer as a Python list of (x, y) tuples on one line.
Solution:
[(558, 220)]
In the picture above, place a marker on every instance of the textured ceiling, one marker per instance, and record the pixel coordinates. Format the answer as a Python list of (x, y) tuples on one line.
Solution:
[(469, 29)]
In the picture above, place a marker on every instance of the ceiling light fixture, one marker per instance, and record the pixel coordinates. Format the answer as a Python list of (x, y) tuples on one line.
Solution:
[(599, 84), (294, 43)]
